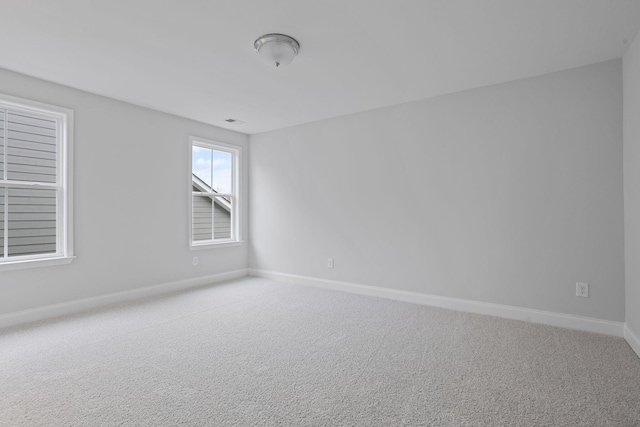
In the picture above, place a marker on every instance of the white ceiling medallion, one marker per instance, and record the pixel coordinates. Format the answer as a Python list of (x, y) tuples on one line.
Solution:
[(277, 49)]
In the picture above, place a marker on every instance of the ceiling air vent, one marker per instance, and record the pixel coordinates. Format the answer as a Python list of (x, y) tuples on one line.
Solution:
[(234, 121)]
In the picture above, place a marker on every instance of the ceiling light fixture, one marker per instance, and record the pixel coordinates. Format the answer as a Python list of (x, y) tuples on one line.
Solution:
[(277, 49)]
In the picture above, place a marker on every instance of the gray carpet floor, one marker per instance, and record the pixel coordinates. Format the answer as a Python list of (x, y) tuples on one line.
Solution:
[(256, 352)]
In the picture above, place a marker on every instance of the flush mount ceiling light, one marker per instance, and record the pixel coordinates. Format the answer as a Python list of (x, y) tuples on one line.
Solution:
[(277, 49)]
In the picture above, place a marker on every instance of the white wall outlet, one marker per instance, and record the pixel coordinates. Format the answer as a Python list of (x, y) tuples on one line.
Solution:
[(329, 262), (582, 289), (195, 260)]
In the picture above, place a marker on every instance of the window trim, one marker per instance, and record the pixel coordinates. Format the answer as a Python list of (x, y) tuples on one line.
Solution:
[(64, 184), (236, 219)]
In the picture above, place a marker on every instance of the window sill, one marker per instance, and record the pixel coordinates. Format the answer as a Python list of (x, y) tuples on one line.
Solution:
[(33, 263), (197, 247)]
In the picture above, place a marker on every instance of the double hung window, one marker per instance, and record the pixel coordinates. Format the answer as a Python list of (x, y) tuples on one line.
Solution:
[(214, 186), (35, 155)]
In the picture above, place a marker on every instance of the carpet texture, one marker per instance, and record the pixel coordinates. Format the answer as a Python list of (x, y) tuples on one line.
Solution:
[(256, 352)]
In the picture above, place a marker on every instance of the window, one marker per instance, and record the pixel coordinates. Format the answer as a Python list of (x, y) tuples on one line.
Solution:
[(214, 186), (35, 191)]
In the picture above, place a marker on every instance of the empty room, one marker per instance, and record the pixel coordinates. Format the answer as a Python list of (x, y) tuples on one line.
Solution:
[(320, 213)]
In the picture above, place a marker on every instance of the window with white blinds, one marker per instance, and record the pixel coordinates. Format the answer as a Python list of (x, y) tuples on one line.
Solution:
[(214, 204), (35, 146)]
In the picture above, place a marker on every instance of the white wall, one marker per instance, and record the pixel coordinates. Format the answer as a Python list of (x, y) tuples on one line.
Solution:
[(506, 194), (131, 195), (631, 63)]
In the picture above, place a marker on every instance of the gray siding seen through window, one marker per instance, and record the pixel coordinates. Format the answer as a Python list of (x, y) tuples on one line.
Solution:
[(2, 148), (2, 222), (203, 223), (32, 221), (31, 148), (28, 150)]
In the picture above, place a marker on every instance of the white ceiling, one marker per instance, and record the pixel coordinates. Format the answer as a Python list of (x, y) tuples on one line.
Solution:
[(195, 58)]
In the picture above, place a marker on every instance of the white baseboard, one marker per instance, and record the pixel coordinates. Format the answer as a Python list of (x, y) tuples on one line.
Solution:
[(75, 306), (632, 339), (509, 312)]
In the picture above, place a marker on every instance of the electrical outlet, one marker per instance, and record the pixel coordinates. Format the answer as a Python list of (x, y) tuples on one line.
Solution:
[(582, 289), (195, 260), (329, 262)]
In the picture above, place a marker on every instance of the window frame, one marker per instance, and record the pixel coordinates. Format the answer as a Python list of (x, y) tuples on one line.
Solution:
[(236, 194), (63, 186)]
